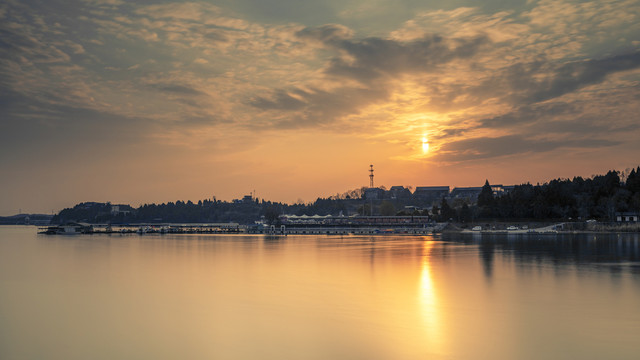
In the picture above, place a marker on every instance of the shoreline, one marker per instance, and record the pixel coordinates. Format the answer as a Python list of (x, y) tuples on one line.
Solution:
[(438, 228)]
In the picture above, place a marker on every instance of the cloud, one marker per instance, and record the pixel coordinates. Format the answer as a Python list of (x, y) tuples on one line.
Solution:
[(280, 100), (316, 107), (177, 89), (461, 72), (575, 75), (328, 33), (370, 58), (581, 114), (483, 148), (18, 43), (526, 83), (44, 131), (191, 11), (374, 63), (466, 70)]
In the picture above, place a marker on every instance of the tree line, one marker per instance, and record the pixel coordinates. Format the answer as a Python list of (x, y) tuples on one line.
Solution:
[(598, 197)]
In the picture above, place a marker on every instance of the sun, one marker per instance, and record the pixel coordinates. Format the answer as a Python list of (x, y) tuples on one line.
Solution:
[(425, 144)]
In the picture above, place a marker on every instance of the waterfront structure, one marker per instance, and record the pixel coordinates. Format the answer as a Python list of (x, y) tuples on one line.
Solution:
[(69, 229), (627, 217), (354, 221)]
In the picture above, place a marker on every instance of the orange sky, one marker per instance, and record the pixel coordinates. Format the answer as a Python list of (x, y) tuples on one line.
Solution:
[(104, 100)]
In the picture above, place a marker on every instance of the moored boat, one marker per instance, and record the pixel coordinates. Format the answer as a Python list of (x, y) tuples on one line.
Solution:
[(68, 229)]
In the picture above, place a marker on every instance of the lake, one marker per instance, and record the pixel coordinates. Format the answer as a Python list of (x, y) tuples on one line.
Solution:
[(445, 296)]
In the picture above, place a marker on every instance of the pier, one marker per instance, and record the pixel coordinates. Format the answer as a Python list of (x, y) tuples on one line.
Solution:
[(235, 228)]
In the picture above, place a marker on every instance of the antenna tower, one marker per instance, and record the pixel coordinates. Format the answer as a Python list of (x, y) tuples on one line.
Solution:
[(370, 176)]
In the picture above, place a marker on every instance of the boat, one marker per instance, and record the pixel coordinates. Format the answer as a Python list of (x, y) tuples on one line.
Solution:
[(68, 229)]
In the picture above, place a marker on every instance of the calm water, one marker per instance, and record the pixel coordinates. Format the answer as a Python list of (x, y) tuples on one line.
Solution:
[(318, 297)]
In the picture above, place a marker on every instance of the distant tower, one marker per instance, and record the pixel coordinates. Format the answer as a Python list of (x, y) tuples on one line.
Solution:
[(371, 176)]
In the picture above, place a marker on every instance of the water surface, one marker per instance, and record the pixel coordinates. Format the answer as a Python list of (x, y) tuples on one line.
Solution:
[(318, 297)]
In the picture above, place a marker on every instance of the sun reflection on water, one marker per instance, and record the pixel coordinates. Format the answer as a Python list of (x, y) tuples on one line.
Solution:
[(428, 303)]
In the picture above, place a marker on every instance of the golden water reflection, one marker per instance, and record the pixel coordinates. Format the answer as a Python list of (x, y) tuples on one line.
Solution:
[(428, 302), (316, 297)]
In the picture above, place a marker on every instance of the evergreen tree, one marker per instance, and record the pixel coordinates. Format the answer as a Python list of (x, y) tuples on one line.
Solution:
[(486, 195), (633, 181), (446, 212)]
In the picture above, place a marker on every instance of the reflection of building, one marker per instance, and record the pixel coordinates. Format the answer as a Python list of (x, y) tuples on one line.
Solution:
[(627, 216)]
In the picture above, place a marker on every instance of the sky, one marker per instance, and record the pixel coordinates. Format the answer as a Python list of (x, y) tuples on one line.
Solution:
[(156, 101)]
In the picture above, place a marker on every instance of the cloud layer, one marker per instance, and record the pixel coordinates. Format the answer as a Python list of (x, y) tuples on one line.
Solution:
[(550, 78)]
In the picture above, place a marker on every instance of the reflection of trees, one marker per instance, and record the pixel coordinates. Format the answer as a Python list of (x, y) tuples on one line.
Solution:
[(487, 250), (558, 249)]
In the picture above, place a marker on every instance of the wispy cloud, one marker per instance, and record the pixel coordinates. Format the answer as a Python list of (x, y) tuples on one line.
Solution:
[(481, 148)]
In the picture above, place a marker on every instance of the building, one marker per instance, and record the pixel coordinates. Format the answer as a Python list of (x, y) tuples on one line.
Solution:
[(499, 189), (469, 193), (121, 210), (247, 199), (373, 194), (429, 194), (90, 204), (399, 193), (627, 216)]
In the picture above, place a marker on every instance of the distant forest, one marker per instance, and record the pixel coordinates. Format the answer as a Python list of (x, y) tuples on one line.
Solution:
[(599, 197)]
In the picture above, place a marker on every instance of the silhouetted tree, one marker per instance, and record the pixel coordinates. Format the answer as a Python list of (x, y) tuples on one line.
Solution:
[(446, 212), (485, 199), (387, 208), (272, 215), (465, 213)]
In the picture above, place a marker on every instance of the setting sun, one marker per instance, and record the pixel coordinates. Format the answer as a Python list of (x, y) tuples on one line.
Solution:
[(425, 145)]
